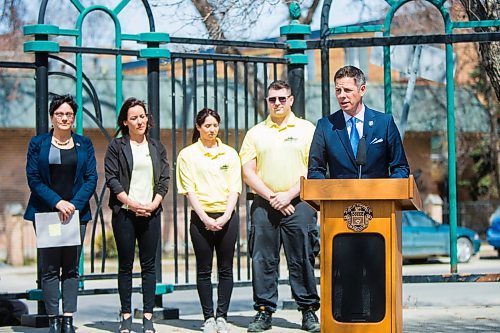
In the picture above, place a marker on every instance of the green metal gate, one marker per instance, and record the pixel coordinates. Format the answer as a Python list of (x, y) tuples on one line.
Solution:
[(232, 84)]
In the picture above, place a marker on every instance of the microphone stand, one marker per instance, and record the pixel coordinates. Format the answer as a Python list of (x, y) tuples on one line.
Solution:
[(361, 154)]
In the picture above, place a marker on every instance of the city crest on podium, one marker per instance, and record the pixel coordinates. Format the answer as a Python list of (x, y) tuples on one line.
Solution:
[(357, 216)]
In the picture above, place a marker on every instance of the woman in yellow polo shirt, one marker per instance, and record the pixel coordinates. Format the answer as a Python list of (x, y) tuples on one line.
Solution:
[(209, 174)]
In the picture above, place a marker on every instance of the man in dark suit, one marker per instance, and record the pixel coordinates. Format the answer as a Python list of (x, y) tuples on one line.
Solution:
[(357, 287), (334, 145)]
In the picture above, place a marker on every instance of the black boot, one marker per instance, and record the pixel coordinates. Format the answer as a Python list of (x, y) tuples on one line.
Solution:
[(310, 321), (54, 324), (67, 324), (262, 321)]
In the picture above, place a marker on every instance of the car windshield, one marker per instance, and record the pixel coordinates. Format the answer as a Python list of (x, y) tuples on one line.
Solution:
[(418, 219), (405, 219)]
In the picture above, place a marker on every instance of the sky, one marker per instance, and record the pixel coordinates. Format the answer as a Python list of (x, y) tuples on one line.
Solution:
[(179, 17)]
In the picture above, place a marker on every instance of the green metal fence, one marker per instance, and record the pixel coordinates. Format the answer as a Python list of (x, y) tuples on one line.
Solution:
[(231, 83)]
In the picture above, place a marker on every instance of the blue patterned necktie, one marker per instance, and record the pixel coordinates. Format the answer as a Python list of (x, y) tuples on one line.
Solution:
[(354, 136)]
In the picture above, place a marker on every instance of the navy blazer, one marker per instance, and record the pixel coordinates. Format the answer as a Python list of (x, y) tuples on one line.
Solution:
[(118, 165), (43, 199), (331, 149)]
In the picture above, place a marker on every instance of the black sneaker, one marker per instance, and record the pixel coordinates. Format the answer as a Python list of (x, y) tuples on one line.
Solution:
[(261, 322), (310, 321)]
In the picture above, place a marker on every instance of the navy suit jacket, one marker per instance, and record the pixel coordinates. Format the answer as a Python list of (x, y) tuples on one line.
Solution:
[(43, 199), (331, 149)]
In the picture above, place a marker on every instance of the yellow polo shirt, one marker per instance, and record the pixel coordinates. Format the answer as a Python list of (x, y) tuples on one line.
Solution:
[(210, 173), (281, 152)]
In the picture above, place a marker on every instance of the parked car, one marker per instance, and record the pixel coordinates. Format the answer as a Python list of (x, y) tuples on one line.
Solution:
[(493, 233), (424, 238)]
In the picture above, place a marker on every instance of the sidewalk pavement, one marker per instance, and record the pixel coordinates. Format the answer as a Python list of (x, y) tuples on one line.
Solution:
[(431, 307), (416, 320)]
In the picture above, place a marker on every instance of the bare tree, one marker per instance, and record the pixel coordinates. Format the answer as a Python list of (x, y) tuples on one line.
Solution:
[(11, 47), (12, 23), (11, 14), (477, 69), (486, 81), (213, 14), (424, 18), (219, 16), (307, 19), (489, 52)]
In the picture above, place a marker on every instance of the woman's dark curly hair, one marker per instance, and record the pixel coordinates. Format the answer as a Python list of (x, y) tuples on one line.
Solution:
[(59, 100)]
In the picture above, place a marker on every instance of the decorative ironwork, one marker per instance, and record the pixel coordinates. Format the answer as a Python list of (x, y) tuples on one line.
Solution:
[(357, 216)]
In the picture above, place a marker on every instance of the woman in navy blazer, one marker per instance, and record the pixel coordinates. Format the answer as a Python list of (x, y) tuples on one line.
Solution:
[(62, 176), (137, 175)]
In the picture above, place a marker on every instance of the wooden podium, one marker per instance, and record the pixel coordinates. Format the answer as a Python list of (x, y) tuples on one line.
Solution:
[(361, 273)]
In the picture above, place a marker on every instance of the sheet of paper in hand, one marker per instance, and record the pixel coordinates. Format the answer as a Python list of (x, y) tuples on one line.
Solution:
[(50, 232)]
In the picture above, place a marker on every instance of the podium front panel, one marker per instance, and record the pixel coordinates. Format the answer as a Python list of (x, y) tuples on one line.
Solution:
[(359, 270), (358, 281), (360, 226)]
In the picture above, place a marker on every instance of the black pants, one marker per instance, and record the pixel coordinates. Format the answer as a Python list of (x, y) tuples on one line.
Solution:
[(299, 236), (204, 242), (60, 265), (128, 228)]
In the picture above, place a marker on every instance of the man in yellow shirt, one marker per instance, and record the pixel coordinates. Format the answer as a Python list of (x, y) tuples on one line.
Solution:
[(274, 156)]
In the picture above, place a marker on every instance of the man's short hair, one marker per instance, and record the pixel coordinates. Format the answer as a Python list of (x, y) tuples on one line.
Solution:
[(351, 71), (278, 85)]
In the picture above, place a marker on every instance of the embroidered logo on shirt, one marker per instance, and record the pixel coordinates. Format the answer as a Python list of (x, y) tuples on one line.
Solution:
[(213, 157), (291, 139), (224, 167)]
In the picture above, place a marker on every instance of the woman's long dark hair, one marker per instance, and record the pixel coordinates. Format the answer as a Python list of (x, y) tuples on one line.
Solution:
[(130, 103), (200, 119)]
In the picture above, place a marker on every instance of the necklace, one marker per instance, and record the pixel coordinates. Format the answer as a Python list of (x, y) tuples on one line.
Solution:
[(61, 143)]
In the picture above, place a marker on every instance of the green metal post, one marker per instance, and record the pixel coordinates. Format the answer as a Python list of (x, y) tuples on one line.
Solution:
[(450, 110), (387, 80), (387, 56), (325, 59), (153, 53), (42, 125), (452, 176), (79, 88), (41, 46), (295, 34), (154, 109), (42, 89), (118, 84)]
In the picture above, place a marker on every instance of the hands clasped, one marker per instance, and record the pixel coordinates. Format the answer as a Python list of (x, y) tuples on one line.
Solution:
[(281, 201), (217, 224), (66, 209), (141, 209)]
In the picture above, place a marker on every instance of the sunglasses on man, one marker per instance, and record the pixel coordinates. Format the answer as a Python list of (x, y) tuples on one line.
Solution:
[(281, 99)]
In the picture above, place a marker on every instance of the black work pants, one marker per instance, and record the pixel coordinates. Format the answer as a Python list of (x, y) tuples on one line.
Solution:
[(299, 236), (204, 243), (128, 228), (59, 265)]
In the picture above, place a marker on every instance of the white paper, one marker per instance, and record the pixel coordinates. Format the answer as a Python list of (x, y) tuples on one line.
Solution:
[(50, 232)]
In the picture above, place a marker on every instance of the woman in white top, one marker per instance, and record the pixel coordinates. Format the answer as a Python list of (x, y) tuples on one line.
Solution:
[(209, 174), (136, 171)]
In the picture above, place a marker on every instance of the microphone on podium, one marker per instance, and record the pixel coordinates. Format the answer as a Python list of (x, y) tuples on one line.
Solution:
[(361, 154)]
